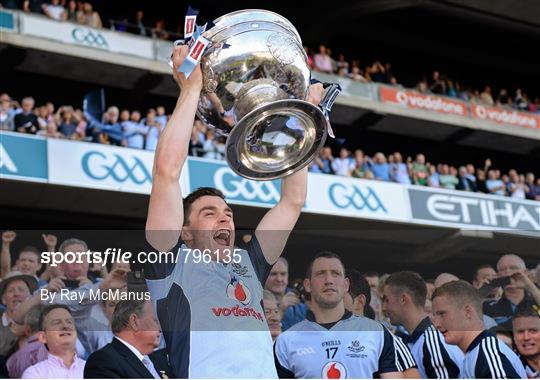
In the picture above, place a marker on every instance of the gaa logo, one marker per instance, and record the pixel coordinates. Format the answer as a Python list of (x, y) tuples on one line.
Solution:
[(334, 370), (89, 37), (238, 291)]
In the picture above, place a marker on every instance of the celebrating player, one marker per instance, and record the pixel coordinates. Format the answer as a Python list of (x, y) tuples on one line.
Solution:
[(331, 342), (210, 310), (457, 310)]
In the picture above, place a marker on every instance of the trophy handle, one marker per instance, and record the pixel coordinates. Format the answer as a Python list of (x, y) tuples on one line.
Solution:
[(332, 91)]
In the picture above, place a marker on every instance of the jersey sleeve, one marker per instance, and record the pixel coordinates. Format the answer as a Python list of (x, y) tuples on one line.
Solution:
[(165, 263), (283, 366), (404, 356), (436, 360), (492, 363), (388, 361), (261, 266)]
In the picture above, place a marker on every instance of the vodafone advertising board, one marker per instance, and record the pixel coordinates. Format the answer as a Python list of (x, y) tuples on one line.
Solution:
[(415, 100), (504, 116)]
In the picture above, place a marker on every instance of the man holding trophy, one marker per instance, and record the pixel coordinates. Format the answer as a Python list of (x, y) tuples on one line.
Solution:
[(209, 300)]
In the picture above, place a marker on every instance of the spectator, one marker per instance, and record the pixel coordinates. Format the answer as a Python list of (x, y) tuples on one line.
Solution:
[(27, 121), (71, 11), (343, 165), (34, 6), (526, 329), (481, 181), (15, 289), (51, 130), (451, 90), (484, 275), (195, 145), (504, 99), (131, 352), (516, 187), (107, 131), (494, 185), (433, 178), (356, 74), (485, 96), (33, 351), (289, 301), (7, 113), (323, 162), (342, 65), (322, 61), (438, 85), (360, 168), (212, 148), (444, 278), (55, 10), (68, 125), (141, 30), (377, 72), (447, 178), (134, 131), (422, 86), (379, 167), (57, 332), (273, 313), (161, 117), (154, 130), (420, 171), (520, 101), (534, 188), (464, 181), (89, 17), (159, 31), (398, 170), (513, 294), (43, 117)]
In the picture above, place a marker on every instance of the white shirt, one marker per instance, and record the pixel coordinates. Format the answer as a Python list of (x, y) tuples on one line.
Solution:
[(5, 319), (55, 11)]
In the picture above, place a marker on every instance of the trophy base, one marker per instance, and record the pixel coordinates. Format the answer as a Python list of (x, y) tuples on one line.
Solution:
[(276, 140)]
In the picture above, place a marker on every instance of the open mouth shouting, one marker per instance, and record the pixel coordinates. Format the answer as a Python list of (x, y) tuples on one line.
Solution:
[(223, 237)]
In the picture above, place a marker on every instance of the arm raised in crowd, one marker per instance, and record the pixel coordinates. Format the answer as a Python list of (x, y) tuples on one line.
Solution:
[(5, 255), (165, 211), (275, 227)]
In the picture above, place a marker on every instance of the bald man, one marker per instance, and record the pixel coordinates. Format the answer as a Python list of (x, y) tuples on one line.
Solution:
[(503, 309), (444, 278)]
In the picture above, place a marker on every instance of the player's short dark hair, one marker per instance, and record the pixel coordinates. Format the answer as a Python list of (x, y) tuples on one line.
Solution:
[(484, 266), (462, 292), (200, 192), (327, 255), (371, 273), (411, 283), (31, 248), (527, 309), (46, 310), (358, 285)]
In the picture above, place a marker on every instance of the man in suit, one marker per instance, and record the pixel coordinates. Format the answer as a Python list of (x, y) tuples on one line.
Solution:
[(131, 352)]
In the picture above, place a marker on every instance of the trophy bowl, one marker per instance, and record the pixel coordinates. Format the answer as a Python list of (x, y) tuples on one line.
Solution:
[(255, 84)]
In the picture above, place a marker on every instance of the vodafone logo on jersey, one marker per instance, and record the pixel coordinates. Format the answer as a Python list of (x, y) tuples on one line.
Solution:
[(416, 100), (334, 370), (238, 291)]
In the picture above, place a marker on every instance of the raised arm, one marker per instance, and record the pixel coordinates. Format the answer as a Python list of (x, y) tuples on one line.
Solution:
[(5, 255), (165, 211), (275, 227)]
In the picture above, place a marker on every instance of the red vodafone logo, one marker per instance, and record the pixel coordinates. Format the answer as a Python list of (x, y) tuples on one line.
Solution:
[(238, 291), (334, 370)]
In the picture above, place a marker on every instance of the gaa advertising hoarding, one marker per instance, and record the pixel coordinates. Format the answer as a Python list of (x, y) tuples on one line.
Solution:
[(23, 157)]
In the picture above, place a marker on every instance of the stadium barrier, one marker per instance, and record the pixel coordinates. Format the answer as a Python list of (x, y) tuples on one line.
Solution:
[(95, 166)]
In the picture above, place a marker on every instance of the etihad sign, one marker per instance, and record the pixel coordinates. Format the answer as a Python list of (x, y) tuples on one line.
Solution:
[(502, 116), (416, 100)]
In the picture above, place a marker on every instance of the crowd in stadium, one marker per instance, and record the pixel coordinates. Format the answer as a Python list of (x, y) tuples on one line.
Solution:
[(321, 60), (134, 130), (49, 338)]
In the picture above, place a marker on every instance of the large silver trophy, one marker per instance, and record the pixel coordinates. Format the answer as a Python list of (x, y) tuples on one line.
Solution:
[(255, 84)]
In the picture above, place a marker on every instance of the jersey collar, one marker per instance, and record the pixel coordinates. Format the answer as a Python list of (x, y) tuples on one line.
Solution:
[(478, 339), (419, 330), (311, 317)]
